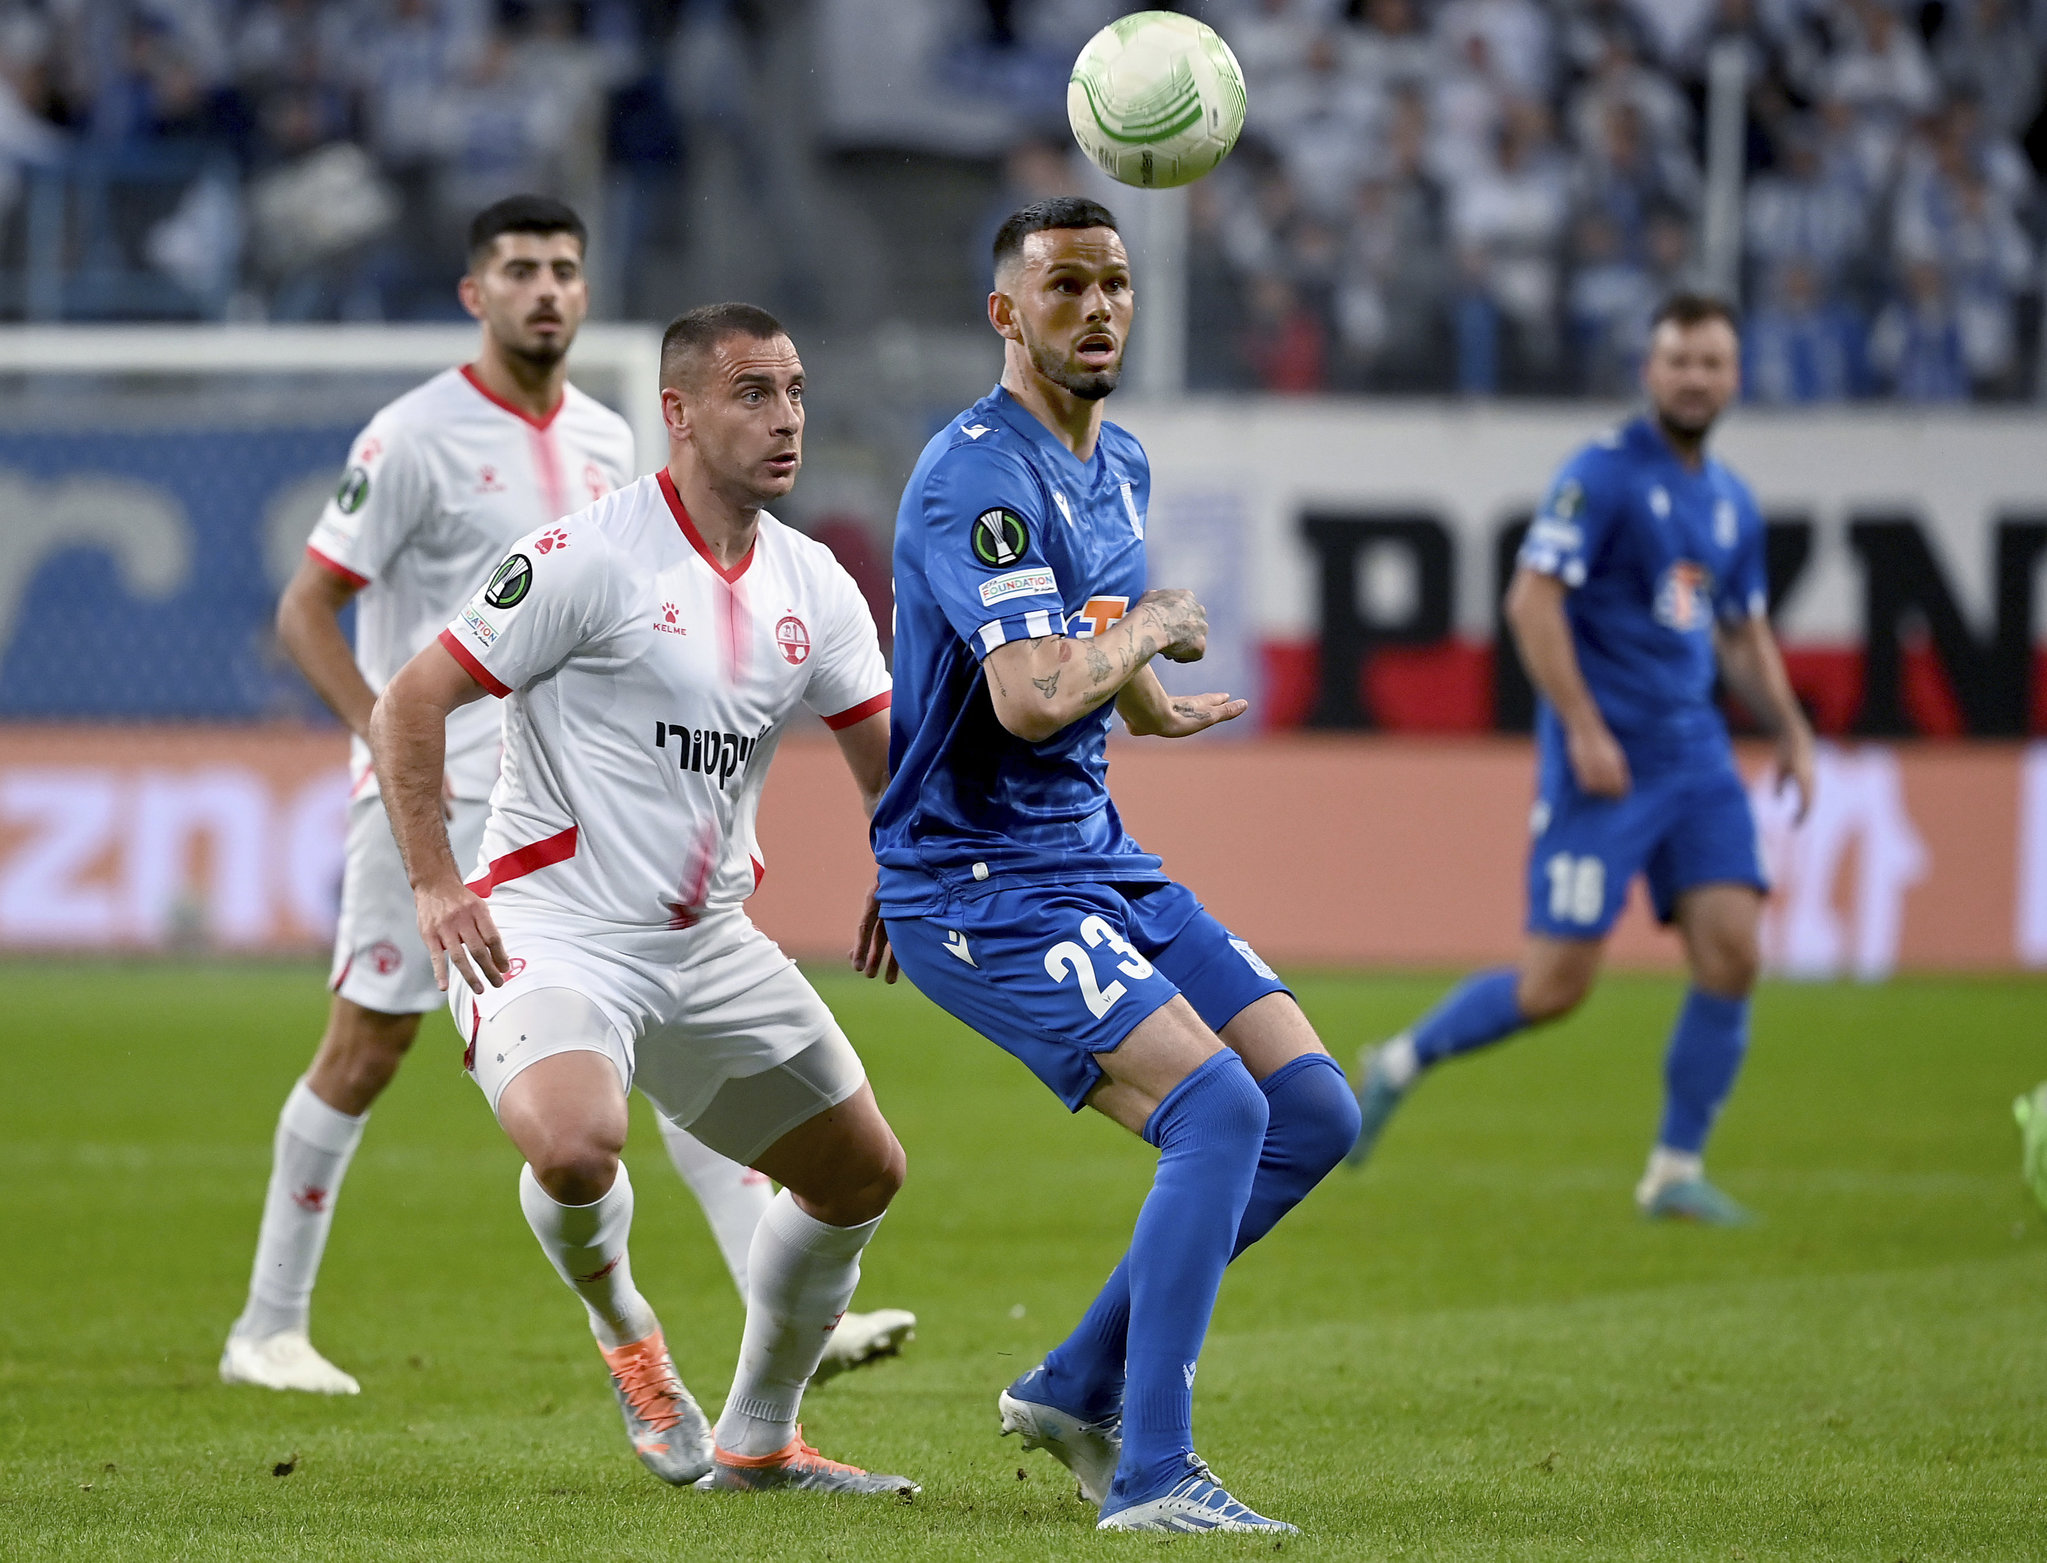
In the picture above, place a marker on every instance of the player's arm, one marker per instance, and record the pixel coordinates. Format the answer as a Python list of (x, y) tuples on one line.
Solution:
[(1754, 670), (408, 735), (309, 628), (1149, 712), (1535, 613), (1040, 686), (865, 746)]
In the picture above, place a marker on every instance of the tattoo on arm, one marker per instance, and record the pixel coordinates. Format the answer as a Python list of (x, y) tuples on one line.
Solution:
[(1048, 686), (1098, 667)]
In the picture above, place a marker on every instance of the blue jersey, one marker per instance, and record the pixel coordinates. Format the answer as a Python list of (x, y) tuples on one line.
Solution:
[(1653, 553), (1003, 534)]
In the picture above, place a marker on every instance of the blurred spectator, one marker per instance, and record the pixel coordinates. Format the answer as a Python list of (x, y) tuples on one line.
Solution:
[(1390, 292), (1506, 222), (1388, 49), (1283, 340), (1916, 345), (1624, 176), (1323, 120), (1612, 296), (1806, 212), (1800, 346), (1988, 53), (1516, 36)]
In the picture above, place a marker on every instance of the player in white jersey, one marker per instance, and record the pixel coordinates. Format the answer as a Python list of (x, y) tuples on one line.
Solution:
[(650, 651), (437, 487)]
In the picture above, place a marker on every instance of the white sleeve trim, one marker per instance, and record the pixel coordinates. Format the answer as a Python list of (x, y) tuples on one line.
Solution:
[(1037, 624), (991, 636)]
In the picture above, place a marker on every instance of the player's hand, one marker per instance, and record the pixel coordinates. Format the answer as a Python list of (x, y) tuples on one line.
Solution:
[(1795, 767), (1597, 762), (1181, 620), (1184, 715), (458, 930), (871, 954)]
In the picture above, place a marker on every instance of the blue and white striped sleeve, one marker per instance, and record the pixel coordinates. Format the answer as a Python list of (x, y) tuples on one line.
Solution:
[(985, 556)]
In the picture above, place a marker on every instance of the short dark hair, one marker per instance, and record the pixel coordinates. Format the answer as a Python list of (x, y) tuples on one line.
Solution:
[(541, 214), (690, 336), (1059, 211), (1687, 309)]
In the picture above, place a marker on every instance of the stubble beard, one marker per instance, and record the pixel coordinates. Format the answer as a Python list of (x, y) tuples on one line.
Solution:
[(1090, 385)]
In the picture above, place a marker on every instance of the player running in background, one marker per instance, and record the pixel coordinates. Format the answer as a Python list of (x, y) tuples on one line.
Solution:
[(438, 486), (650, 651), (1641, 577), (1012, 896)]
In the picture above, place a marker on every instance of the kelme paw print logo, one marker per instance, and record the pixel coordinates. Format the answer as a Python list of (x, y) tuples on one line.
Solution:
[(547, 542)]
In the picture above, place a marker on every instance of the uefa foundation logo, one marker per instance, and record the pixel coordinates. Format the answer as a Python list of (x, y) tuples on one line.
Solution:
[(793, 638)]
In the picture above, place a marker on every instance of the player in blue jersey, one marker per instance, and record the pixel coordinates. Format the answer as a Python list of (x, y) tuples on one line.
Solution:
[(1640, 579), (1013, 897)]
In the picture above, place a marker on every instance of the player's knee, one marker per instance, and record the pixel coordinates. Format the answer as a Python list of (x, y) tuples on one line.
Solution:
[(575, 1169), (1727, 967), (1551, 995), (1330, 1126), (865, 1183)]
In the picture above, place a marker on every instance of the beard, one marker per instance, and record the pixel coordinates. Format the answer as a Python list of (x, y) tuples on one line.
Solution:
[(1686, 426), (1076, 379)]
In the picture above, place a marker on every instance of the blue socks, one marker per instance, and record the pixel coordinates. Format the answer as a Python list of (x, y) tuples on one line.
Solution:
[(1209, 1130), (1312, 1120), (1481, 1009), (1706, 1050)]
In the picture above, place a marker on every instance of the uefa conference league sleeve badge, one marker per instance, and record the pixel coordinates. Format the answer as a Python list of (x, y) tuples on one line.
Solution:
[(510, 583), (1000, 537)]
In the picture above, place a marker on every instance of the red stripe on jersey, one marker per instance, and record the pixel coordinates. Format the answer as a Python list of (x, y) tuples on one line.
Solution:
[(471, 666), (548, 463), (760, 871), (558, 848), (476, 382), (861, 712), (696, 538), (340, 569)]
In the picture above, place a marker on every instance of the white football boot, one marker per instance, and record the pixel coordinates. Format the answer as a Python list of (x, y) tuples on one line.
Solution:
[(283, 1361), (1197, 1503), (1088, 1449), (864, 1337)]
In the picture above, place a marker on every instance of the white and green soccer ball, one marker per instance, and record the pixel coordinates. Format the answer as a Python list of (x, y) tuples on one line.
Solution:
[(1156, 99)]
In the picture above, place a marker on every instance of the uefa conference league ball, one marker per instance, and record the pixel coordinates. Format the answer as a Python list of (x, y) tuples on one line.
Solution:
[(1156, 99)]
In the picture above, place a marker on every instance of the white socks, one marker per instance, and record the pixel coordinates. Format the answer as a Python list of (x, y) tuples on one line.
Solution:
[(734, 1197), (587, 1246), (308, 1158), (803, 1273)]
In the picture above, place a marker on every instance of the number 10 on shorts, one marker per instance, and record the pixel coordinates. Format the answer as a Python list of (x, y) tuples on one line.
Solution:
[(1577, 888), (1067, 959)]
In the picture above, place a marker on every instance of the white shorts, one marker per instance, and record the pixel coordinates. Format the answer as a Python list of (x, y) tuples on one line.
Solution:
[(687, 1012), (380, 962)]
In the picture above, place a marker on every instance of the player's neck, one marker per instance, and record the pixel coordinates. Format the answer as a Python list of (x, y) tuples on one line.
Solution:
[(1689, 448), (1075, 423), (728, 526), (527, 387)]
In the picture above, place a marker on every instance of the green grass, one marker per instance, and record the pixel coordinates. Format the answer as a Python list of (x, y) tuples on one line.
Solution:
[(1472, 1350)]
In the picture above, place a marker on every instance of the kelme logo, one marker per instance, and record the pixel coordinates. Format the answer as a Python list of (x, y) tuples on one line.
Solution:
[(508, 587), (1000, 537), (355, 488)]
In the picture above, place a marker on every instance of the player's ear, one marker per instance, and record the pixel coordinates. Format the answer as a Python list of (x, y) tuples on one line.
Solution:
[(470, 292), (675, 412), (1002, 316)]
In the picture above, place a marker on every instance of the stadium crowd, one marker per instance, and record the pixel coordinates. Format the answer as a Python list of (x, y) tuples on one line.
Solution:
[(1487, 195), (1481, 196)]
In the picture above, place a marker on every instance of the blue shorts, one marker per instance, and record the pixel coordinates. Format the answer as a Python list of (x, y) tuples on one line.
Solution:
[(1058, 973), (1679, 827)]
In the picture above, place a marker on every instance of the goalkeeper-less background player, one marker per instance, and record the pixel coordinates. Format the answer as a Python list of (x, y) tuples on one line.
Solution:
[(1641, 578), (439, 485)]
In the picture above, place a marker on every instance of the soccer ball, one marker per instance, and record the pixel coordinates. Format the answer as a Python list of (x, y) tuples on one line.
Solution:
[(1156, 99)]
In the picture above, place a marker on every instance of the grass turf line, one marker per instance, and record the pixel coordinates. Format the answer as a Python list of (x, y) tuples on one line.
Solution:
[(1470, 1350)]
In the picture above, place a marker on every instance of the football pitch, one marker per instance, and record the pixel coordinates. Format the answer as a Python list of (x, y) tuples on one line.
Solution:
[(1473, 1349)]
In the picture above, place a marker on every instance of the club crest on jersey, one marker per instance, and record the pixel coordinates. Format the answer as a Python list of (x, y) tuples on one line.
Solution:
[(1681, 598), (1000, 537), (1096, 617), (792, 636), (385, 957), (488, 482), (511, 582), (354, 491)]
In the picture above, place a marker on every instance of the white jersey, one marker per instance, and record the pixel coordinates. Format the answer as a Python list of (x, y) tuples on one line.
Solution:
[(646, 688), (438, 487)]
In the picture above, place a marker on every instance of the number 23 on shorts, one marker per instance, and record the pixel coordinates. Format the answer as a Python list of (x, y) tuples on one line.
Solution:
[(1068, 959)]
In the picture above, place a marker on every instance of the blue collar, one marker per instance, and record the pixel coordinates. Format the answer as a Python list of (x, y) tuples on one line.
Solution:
[(1023, 422)]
